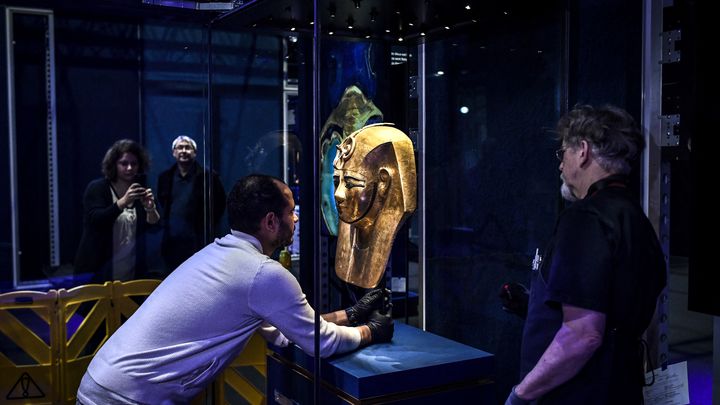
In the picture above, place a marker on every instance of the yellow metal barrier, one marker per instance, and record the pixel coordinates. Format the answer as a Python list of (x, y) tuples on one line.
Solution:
[(29, 355), (86, 312), (47, 340), (128, 296), (246, 375)]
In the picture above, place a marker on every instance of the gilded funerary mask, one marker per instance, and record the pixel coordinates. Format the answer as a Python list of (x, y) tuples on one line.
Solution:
[(375, 192)]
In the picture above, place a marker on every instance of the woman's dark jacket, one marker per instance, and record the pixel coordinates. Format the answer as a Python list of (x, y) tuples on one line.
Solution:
[(94, 255)]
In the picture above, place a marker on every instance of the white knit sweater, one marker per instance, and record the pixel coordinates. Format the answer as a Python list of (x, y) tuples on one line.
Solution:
[(200, 318)]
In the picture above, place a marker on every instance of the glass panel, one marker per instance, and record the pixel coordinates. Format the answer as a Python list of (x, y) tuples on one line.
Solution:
[(98, 88), (250, 105), (492, 181), (174, 103)]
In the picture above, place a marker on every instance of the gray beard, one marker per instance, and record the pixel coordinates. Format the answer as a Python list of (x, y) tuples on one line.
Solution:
[(567, 193)]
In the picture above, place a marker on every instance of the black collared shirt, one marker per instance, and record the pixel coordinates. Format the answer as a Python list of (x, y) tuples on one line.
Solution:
[(604, 256)]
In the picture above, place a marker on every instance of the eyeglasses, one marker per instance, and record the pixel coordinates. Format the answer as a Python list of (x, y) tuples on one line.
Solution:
[(184, 147), (560, 153)]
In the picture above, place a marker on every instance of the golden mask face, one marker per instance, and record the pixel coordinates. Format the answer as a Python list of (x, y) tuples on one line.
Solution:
[(375, 191), (354, 194)]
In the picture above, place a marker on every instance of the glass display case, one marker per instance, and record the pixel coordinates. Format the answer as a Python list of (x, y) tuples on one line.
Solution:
[(477, 88), (274, 86)]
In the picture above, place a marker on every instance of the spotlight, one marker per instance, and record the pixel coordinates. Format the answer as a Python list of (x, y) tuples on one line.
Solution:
[(357, 3), (332, 10), (350, 22)]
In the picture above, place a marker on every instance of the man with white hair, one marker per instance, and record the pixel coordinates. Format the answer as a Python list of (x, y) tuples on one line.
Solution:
[(182, 192), (595, 288)]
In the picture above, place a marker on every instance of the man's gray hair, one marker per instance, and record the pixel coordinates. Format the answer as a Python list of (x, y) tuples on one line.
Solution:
[(184, 138), (612, 133)]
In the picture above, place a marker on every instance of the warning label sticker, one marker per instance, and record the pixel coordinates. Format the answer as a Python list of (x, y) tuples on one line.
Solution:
[(25, 388)]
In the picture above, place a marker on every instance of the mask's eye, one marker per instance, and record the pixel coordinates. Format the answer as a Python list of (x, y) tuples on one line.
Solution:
[(351, 182), (336, 180)]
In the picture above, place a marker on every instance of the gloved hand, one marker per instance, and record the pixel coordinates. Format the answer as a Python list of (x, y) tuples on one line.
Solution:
[(381, 327), (513, 399), (372, 300), (514, 297)]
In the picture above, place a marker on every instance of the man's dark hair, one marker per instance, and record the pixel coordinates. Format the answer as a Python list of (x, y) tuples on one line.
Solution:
[(251, 198), (612, 133), (109, 167)]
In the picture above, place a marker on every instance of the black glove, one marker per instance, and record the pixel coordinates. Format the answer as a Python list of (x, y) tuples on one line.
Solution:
[(514, 297), (381, 327), (373, 300), (513, 399)]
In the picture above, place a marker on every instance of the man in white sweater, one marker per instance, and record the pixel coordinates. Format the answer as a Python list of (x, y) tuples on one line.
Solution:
[(200, 318)]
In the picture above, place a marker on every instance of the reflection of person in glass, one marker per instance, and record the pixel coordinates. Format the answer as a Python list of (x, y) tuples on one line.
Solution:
[(182, 195), (354, 111), (117, 209), (375, 191)]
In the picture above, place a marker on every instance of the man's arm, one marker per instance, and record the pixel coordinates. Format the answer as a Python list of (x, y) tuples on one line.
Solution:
[(337, 317), (579, 336)]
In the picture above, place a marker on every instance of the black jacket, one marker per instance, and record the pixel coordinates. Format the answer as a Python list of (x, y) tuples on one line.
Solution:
[(199, 192), (94, 254)]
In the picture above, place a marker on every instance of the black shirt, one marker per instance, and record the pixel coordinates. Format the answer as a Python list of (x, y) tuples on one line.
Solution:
[(604, 256)]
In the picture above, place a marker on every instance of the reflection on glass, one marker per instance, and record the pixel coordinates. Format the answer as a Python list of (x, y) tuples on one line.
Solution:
[(352, 113)]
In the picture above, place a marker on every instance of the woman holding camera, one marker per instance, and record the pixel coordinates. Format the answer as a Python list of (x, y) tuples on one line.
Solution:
[(117, 210)]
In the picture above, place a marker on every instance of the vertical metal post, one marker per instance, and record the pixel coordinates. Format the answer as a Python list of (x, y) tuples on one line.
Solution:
[(10, 58), (317, 254), (422, 127), (51, 126), (53, 231), (716, 361), (655, 176)]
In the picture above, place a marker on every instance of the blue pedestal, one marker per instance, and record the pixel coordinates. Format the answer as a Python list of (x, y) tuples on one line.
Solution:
[(416, 367)]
